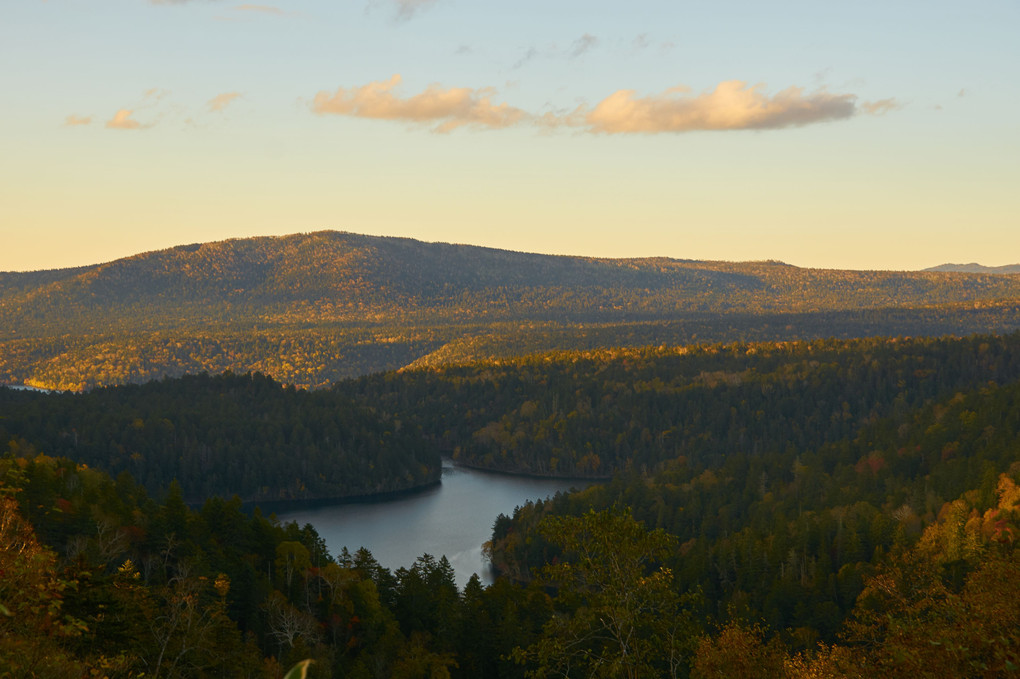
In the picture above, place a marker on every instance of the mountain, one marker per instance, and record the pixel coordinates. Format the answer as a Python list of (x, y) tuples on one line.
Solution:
[(974, 267), (309, 309)]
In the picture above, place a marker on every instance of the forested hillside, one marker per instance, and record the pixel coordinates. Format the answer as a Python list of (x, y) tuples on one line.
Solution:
[(790, 536), (98, 579), (312, 308), (227, 435), (599, 412), (786, 472), (791, 485)]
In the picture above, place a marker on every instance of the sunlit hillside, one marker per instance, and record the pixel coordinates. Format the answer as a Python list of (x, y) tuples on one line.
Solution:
[(311, 308)]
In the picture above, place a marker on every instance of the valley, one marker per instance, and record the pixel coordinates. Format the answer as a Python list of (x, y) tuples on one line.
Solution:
[(816, 471)]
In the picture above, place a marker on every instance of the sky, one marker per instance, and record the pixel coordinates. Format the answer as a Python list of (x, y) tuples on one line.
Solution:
[(864, 135)]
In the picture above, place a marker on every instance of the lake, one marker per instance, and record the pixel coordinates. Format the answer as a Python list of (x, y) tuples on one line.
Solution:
[(453, 519)]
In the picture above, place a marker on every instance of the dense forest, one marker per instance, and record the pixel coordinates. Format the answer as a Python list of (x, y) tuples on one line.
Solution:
[(228, 435), (310, 309), (828, 508), (98, 580), (596, 413)]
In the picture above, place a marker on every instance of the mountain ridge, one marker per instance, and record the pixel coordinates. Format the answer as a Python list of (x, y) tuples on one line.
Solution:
[(312, 308), (974, 267)]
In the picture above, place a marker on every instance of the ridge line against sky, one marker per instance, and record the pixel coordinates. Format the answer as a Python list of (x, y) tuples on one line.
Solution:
[(489, 247), (873, 136)]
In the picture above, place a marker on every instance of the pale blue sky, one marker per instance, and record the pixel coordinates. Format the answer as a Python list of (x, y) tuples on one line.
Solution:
[(898, 148)]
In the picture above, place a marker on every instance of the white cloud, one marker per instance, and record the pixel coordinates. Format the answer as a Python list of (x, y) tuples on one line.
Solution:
[(445, 109), (732, 105)]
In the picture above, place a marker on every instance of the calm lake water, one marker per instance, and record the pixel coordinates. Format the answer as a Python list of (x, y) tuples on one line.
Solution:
[(451, 519)]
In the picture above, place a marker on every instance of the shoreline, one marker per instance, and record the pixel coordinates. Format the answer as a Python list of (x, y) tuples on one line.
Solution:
[(529, 475), (269, 507), (282, 506), (26, 387)]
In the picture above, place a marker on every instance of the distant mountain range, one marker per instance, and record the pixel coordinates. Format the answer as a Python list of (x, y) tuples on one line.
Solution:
[(973, 267), (311, 308)]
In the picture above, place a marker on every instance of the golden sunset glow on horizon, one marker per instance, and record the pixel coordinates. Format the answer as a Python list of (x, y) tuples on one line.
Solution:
[(836, 137)]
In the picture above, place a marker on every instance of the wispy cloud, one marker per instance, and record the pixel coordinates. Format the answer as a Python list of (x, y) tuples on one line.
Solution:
[(73, 120), (880, 107), (821, 75), (408, 8), (731, 105), (154, 95), (583, 44), (445, 109), (578, 48), (641, 41), (122, 121), (221, 101), (526, 57), (403, 9), (262, 9)]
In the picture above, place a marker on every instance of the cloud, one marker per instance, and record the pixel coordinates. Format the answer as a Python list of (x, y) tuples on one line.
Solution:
[(406, 9), (153, 96), (73, 120), (880, 107), (732, 105), (264, 9), (583, 44), (528, 56), (578, 48), (446, 109), (553, 120), (122, 121), (221, 101)]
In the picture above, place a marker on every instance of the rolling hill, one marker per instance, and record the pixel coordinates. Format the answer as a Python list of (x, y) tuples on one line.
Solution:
[(312, 308), (974, 267)]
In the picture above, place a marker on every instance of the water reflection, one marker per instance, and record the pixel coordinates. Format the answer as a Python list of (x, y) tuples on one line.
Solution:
[(451, 519)]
